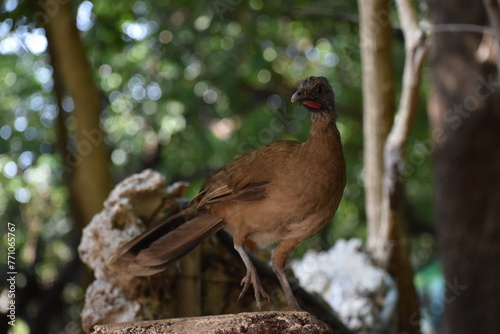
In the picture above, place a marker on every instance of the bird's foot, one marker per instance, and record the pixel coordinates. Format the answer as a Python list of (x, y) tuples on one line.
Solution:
[(251, 278)]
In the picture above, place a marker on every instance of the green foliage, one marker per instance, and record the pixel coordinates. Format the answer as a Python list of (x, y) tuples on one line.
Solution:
[(201, 81)]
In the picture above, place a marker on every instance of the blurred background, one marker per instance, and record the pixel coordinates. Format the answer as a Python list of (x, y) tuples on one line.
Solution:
[(92, 92)]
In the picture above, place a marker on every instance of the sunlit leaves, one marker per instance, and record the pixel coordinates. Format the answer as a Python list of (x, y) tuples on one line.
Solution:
[(182, 84)]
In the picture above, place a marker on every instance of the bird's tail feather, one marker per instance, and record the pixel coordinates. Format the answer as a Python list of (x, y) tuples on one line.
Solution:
[(153, 250)]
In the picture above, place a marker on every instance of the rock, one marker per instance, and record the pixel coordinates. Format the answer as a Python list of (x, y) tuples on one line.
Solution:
[(249, 323), (348, 280), (133, 203)]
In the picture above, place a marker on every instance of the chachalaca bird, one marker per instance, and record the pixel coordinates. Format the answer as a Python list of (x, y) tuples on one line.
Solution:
[(286, 191)]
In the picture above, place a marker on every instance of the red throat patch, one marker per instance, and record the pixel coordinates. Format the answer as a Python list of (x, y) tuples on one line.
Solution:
[(312, 104)]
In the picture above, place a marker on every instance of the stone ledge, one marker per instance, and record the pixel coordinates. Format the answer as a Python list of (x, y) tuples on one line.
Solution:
[(249, 323)]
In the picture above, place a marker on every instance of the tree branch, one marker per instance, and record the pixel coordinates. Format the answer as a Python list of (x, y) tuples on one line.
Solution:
[(397, 251), (416, 49), (460, 27), (493, 9), (89, 161)]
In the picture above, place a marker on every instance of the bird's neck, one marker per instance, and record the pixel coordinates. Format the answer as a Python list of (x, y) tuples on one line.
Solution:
[(324, 147), (324, 128)]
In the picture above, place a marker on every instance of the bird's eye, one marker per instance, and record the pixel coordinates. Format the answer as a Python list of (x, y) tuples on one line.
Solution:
[(319, 89)]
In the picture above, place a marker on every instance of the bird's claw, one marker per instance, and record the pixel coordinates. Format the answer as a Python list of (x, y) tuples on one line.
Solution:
[(251, 278)]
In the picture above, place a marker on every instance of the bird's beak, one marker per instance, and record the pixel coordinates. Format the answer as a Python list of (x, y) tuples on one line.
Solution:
[(302, 97), (298, 96)]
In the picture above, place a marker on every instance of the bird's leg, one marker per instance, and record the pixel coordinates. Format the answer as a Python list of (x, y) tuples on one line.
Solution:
[(280, 256), (251, 278)]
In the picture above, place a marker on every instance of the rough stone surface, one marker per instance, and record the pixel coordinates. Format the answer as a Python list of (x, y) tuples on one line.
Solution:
[(249, 323), (105, 303), (348, 280), (133, 203)]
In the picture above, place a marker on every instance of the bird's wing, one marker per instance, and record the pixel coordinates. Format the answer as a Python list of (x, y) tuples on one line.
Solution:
[(247, 177), (230, 184)]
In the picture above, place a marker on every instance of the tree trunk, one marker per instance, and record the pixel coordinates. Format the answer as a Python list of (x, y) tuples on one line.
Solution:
[(87, 162), (378, 109), (385, 144), (465, 121)]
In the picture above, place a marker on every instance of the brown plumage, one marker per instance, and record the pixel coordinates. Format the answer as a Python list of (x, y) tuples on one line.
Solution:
[(286, 191)]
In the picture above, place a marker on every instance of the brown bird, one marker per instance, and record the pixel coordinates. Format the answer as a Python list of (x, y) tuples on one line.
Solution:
[(286, 191)]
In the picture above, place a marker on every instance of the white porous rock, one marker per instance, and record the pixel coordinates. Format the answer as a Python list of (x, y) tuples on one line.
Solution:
[(348, 280)]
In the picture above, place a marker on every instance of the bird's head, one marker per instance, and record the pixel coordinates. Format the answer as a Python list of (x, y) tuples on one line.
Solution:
[(316, 94)]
